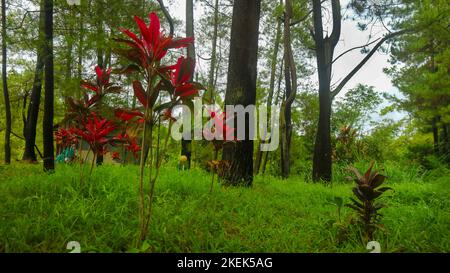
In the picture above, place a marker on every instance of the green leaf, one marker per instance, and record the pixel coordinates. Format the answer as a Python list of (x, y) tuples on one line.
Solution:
[(163, 106)]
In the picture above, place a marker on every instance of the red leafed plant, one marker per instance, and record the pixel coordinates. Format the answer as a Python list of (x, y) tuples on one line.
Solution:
[(80, 109), (152, 45), (96, 133), (367, 191), (129, 143), (221, 128), (146, 51), (65, 138), (101, 86)]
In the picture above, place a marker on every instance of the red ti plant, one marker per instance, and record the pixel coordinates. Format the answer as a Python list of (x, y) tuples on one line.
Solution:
[(79, 110), (129, 143), (101, 86), (220, 126), (146, 51), (65, 138), (96, 133)]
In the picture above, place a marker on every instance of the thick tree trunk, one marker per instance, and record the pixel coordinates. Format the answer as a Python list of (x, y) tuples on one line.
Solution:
[(49, 156), (325, 46), (186, 145), (273, 69), (322, 150), (5, 88), (241, 87), (35, 98)]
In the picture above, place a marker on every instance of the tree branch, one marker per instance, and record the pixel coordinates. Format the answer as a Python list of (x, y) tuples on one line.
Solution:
[(318, 27), (364, 61), (167, 15), (354, 48), (336, 34)]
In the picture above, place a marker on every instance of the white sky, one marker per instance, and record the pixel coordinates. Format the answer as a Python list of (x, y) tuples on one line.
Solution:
[(371, 73)]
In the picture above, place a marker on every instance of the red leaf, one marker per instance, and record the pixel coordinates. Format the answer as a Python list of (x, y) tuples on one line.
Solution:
[(89, 86), (140, 93), (154, 28), (143, 28), (99, 72)]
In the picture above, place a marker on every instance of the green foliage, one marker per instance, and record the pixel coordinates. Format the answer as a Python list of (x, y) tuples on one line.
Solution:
[(41, 213)]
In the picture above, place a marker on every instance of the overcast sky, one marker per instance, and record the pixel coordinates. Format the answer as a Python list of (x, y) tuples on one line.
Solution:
[(371, 73)]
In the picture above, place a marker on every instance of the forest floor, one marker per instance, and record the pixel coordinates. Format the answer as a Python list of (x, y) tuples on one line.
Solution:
[(42, 213)]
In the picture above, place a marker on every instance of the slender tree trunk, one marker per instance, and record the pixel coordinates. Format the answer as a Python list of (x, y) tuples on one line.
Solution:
[(24, 110), (100, 58), (291, 90), (186, 145), (265, 158), (80, 49), (446, 142), (273, 69), (435, 129), (5, 88), (49, 156), (241, 87), (212, 68), (35, 98)]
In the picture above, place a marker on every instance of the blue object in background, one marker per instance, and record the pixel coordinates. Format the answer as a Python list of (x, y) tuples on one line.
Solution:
[(66, 155)]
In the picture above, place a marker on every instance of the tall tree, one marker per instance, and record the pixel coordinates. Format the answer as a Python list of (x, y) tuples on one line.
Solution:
[(186, 144), (35, 97), (324, 53), (212, 67), (49, 155), (5, 88), (260, 155), (324, 48), (291, 90), (241, 86)]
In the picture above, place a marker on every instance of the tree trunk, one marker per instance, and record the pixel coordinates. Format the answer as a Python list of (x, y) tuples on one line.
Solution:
[(241, 87), (211, 80), (80, 49), (265, 158), (186, 145), (100, 59), (446, 142), (324, 52), (49, 157), (273, 69), (35, 98), (435, 135), (291, 89), (5, 88)]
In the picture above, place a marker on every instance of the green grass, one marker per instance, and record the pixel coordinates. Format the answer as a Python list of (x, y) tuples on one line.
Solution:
[(41, 213)]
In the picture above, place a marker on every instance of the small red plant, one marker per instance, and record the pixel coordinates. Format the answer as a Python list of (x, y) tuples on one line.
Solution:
[(101, 87), (220, 127), (95, 133), (65, 138)]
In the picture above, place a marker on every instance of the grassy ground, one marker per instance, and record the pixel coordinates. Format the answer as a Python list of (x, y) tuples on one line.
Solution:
[(41, 213)]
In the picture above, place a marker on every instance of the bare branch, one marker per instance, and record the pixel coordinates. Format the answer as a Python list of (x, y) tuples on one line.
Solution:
[(364, 61), (168, 17), (354, 48)]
